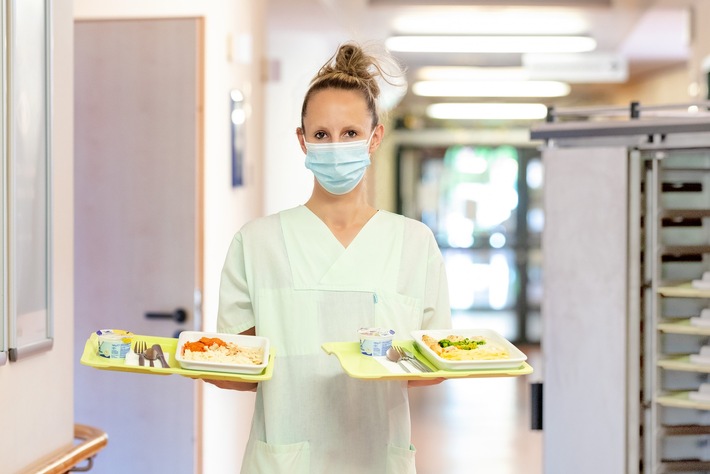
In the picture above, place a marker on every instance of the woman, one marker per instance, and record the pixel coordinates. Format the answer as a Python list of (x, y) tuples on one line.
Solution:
[(319, 272)]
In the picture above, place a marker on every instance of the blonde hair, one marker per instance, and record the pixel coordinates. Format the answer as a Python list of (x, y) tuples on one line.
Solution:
[(353, 68)]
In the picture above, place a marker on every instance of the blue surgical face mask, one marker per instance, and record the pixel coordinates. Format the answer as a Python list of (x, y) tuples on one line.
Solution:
[(339, 167)]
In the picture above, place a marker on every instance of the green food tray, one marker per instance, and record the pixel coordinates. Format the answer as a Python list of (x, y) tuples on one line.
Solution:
[(360, 366), (91, 358)]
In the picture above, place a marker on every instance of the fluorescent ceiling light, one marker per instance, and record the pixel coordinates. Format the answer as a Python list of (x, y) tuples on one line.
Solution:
[(469, 21), (490, 44), (490, 89), (466, 73), (504, 111)]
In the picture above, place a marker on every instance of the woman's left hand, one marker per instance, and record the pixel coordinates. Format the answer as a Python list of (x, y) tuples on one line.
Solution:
[(425, 382)]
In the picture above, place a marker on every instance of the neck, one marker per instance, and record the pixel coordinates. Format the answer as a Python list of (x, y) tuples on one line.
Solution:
[(341, 211)]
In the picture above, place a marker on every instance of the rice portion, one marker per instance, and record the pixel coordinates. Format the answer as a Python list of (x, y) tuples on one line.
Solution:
[(226, 353)]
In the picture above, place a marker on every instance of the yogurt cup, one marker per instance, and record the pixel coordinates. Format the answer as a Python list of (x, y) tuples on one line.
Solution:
[(375, 341), (114, 343)]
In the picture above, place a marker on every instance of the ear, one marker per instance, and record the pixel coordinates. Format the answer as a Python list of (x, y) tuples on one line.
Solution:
[(377, 137), (301, 139)]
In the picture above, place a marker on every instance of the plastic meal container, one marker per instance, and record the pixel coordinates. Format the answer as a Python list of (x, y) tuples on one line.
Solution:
[(213, 366), (515, 360)]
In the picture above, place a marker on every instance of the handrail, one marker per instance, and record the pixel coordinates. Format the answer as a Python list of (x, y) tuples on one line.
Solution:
[(93, 441)]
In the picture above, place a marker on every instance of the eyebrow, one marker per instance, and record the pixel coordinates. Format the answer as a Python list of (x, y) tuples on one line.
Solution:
[(344, 128)]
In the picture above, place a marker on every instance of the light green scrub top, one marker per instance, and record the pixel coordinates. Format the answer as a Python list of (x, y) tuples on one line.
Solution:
[(290, 277)]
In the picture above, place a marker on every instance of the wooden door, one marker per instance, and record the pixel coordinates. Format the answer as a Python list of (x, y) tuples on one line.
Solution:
[(137, 224)]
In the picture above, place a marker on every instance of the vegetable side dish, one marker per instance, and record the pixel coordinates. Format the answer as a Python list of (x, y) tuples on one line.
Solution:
[(455, 347)]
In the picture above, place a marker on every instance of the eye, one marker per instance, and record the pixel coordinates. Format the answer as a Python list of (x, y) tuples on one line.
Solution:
[(351, 134), (320, 135)]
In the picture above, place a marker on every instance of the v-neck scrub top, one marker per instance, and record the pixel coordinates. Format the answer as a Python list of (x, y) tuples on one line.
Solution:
[(289, 276)]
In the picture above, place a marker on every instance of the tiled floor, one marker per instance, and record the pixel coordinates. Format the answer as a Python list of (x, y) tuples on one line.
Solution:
[(477, 425)]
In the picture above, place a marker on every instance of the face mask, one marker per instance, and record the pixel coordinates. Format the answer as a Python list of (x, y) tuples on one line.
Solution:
[(338, 167)]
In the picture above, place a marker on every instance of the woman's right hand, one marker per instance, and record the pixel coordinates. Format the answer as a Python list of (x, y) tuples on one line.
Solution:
[(231, 385), (239, 386)]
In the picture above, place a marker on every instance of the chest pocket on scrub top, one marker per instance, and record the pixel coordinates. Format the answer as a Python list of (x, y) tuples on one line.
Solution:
[(399, 312), (339, 314)]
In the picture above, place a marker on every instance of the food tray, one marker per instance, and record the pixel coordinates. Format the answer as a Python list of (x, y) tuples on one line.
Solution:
[(91, 358), (516, 356), (360, 366)]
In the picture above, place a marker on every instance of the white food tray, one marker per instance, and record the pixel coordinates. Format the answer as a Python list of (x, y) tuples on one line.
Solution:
[(515, 360)]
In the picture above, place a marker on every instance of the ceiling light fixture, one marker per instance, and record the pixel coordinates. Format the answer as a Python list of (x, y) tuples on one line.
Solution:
[(490, 44), (467, 21), (490, 89), (470, 73), (488, 111)]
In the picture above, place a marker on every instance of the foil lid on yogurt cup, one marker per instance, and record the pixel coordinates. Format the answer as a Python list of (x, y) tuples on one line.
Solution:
[(375, 332)]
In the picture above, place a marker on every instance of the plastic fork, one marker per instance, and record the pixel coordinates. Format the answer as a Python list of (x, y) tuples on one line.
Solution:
[(412, 360), (139, 348)]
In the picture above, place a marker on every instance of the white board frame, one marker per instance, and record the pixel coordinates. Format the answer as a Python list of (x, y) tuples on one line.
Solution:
[(3, 161), (28, 234)]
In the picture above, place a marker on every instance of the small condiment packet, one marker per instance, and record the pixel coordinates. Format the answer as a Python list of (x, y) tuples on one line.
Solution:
[(702, 395)]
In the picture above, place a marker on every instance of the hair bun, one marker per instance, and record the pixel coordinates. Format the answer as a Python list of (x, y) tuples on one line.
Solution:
[(354, 68)]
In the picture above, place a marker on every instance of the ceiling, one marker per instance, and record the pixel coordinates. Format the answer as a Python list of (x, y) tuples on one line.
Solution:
[(639, 36)]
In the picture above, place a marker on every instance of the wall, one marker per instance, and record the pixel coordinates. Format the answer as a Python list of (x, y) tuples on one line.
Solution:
[(700, 44), (673, 85), (234, 44), (37, 391), (294, 59), (666, 86)]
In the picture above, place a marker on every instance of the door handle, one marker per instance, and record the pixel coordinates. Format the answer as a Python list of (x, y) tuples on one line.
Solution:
[(179, 315), (536, 406)]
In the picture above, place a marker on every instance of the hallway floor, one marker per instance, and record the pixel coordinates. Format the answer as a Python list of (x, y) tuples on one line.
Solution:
[(477, 425)]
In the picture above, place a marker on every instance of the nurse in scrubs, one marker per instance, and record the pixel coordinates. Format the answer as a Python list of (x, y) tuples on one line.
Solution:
[(319, 272)]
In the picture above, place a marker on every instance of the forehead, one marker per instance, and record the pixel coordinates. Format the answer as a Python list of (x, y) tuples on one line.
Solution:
[(329, 106)]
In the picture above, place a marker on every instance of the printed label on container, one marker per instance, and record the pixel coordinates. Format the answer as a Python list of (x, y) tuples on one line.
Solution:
[(375, 341), (114, 343)]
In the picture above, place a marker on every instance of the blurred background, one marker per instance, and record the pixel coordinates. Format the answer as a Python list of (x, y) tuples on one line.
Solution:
[(458, 155)]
